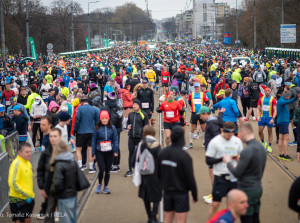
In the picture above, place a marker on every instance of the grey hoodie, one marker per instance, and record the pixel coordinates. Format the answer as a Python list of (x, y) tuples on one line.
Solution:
[(65, 156)]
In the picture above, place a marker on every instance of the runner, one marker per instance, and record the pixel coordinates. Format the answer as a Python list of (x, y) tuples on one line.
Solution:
[(225, 143), (196, 100), (146, 98), (172, 111), (266, 113)]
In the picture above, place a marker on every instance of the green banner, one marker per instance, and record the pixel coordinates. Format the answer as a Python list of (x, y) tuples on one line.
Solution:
[(106, 43), (87, 43), (33, 49)]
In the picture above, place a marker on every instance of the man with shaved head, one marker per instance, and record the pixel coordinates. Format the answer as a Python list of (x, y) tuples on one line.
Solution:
[(249, 171), (237, 204)]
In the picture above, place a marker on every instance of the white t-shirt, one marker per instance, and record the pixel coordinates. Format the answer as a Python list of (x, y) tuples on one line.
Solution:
[(218, 147), (64, 132)]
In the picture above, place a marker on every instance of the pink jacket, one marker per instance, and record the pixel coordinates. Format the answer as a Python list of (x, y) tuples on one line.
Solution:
[(71, 85), (127, 98)]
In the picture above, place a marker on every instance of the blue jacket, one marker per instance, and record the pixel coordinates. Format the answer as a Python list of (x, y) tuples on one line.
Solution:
[(213, 80), (87, 118), (283, 114), (231, 110), (105, 133)]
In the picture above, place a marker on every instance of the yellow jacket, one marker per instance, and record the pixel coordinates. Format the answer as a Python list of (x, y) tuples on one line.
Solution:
[(201, 79), (20, 179), (151, 75)]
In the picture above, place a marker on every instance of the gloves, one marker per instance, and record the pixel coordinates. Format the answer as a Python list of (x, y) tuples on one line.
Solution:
[(29, 200)]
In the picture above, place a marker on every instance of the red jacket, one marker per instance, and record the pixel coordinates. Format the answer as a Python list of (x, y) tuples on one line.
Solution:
[(127, 98), (222, 86), (7, 95)]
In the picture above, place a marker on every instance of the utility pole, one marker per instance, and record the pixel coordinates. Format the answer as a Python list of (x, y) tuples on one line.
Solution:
[(254, 41), (237, 23), (2, 35), (282, 17), (27, 29), (72, 28)]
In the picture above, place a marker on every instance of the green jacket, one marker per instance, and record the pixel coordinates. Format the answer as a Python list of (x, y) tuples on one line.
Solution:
[(30, 100)]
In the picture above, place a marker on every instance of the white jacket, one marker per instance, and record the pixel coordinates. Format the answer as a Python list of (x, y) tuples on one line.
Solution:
[(40, 110)]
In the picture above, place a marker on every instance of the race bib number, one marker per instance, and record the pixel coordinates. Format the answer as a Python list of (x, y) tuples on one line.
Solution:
[(266, 107), (145, 105), (165, 78), (259, 75), (7, 103), (197, 101), (170, 114), (105, 146)]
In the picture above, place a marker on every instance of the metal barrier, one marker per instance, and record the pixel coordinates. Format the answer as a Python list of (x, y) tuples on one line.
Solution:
[(10, 145), (8, 151)]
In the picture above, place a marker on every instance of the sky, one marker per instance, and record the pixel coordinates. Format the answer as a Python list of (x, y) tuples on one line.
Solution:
[(159, 8)]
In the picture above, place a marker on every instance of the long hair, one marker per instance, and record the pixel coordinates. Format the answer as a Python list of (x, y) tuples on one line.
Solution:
[(98, 126), (59, 148)]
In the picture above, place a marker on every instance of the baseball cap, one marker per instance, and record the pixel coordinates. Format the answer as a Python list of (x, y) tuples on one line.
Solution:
[(16, 107), (221, 92), (79, 78), (197, 84), (203, 109), (12, 99)]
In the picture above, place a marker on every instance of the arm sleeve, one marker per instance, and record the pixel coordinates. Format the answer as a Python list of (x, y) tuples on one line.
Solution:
[(190, 179), (115, 140), (211, 161), (41, 171), (94, 143)]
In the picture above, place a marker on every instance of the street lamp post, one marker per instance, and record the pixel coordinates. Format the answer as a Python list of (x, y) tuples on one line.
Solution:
[(2, 35), (89, 38), (27, 29), (237, 23)]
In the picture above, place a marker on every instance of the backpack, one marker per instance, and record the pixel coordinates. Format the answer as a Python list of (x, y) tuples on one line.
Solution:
[(146, 163), (117, 117)]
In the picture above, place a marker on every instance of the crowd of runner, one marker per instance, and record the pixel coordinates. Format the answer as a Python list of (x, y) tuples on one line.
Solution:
[(82, 105)]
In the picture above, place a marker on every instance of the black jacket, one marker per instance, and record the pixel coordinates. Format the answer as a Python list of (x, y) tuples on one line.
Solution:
[(44, 175), (22, 100), (133, 83), (213, 128), (21, 122), (150, 189), (64, 182), (8, 125), (175, 171), (137, 122), (146, 96)]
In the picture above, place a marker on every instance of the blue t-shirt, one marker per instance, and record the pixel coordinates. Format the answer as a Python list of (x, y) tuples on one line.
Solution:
[(8, 79), (108, 89)]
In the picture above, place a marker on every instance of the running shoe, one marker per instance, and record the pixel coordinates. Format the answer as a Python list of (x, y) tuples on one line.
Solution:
[(208, 200), (246, 119), (129, 173), (91, 171), (115, 169), (253, 118), (106, 190), (281, 156), (203, 145), (185, 148), (40, 216), (196, 136), (293, 143), (269, 149), (288, 158), (264, 144), (208, 196), (191, 145), (83, 167), (98, 189)]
